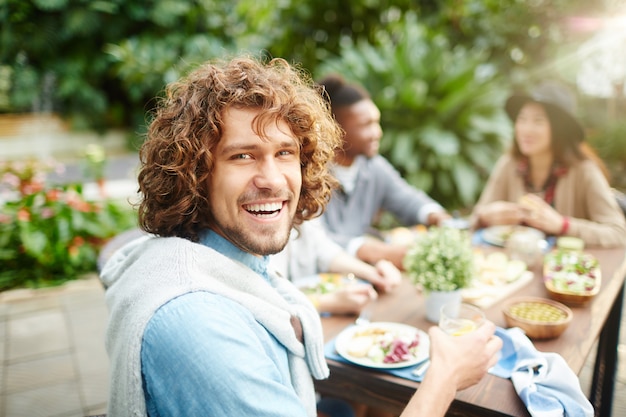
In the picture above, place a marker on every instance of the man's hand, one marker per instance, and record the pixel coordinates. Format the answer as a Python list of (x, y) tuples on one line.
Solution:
[(465, 358), (456, 363), (389, 276), (350, 299), (436, 218), (373, 250)]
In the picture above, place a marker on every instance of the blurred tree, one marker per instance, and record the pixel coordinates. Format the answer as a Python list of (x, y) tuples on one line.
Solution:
[(99, 62), (441, 106)]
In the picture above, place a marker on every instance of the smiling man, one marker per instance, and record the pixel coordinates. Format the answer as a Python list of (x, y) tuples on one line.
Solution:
[(235, 157)]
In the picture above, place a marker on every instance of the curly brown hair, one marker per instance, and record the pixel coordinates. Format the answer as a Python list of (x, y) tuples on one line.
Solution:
[(177, 156)]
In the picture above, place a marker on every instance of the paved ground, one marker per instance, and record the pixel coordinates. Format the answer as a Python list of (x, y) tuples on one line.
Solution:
[(52, 357)]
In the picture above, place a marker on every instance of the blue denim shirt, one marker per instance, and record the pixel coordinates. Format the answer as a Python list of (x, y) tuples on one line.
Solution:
[(205, 355)]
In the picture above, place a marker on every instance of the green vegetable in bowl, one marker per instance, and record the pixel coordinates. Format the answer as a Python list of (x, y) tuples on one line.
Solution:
[(571, 271)]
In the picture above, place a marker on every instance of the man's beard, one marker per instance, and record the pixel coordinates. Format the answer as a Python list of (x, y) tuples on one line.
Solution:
[(257, 243)]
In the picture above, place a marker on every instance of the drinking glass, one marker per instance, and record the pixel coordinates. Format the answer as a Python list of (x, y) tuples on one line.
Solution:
[(458, 319), (525, 246)]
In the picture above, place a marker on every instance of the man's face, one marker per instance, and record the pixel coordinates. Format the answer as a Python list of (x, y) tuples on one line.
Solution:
[(255, 184), (361, 122)]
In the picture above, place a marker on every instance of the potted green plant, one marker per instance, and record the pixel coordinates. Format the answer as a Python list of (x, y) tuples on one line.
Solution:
[(441, 262)]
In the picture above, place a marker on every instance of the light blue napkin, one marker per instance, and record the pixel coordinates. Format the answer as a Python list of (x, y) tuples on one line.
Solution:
[(544, 381)]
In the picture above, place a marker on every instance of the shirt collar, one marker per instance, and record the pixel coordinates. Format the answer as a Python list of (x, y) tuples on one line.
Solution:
[(348, 176), (258, 264)]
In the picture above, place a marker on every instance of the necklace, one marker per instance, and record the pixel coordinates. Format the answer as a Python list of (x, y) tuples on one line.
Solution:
[(547, 189)]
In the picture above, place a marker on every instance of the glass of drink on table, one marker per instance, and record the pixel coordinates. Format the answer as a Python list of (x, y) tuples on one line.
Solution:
[(458, 319)]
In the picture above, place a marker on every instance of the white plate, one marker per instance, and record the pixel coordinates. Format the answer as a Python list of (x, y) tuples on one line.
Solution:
[(497, 235), (345, 338), (312, 283)]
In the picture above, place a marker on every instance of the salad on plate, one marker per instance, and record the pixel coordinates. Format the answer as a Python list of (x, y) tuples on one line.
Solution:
[(570, 271), (383, 345)]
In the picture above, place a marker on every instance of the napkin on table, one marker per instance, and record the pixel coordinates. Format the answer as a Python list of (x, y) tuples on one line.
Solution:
[(544, 381)]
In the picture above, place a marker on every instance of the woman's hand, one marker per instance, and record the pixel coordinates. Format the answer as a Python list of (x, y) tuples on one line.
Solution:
[(501, 212), (540, 215)]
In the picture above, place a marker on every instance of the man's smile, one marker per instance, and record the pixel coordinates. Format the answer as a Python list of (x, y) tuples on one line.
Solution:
[(264, 210)]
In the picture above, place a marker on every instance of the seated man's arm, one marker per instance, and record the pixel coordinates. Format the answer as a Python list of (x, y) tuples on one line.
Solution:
[(457, 362), (203, 354)]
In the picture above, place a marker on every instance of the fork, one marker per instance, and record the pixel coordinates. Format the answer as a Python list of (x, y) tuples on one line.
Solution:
[(366, 313), (421, 368)]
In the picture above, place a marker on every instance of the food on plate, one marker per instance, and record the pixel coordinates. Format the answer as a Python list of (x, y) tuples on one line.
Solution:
[(328, 282), (360, 346), (570, 243), (571, 271), (529, 202), (498, 235), (501, 234), (383, 345), (405, 235), (496, 276), (496, 268)]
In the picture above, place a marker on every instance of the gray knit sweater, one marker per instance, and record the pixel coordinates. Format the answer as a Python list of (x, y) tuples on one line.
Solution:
[(148, 272)]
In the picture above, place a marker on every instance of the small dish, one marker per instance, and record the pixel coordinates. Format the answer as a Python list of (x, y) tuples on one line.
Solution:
[(540, 318), (360, 344), (324, 283), (572, 298), (498, 235), (570, 277)]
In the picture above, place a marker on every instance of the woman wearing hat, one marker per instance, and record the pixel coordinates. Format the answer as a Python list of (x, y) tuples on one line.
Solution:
[(551, 179)]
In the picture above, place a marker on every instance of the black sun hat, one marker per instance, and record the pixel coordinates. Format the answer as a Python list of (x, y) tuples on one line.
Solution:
[(559, 102)]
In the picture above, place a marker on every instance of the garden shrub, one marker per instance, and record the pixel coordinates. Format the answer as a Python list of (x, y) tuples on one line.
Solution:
[(51, 234)]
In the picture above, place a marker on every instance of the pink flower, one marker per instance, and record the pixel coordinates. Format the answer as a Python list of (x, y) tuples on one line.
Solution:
[(23, 215), (53, 195), (47, 213), (11, 179)]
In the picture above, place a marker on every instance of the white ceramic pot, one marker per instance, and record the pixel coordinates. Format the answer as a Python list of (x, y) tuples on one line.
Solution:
[(434, 300)]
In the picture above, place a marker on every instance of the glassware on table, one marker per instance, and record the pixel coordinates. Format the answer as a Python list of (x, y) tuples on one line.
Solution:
[(458, 319), (456, 223), (525, 246)]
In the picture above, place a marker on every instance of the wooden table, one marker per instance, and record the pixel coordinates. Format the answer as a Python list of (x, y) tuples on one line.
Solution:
[(493, 396)]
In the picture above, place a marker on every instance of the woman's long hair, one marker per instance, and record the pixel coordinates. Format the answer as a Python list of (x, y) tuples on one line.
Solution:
[(565, 150)]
